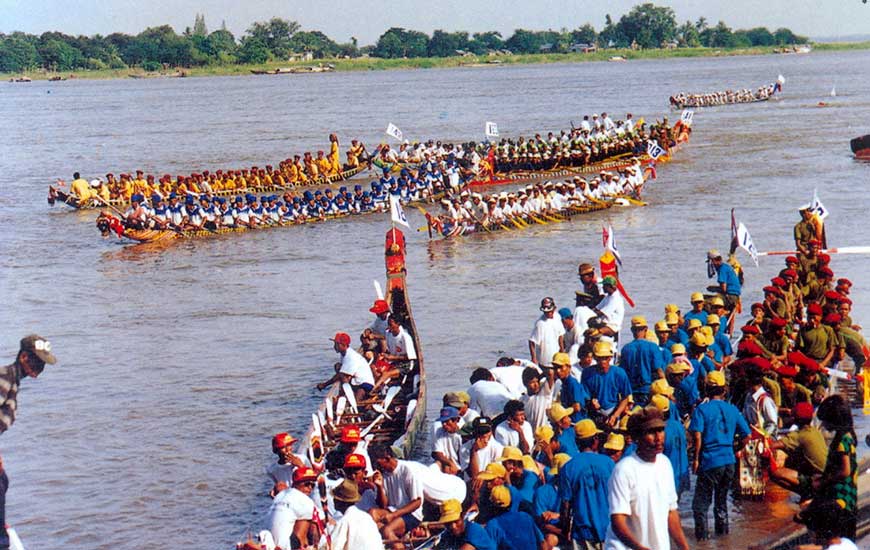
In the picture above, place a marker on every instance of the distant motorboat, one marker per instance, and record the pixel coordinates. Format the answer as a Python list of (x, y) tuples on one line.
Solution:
[(617, 58), (328, 68)]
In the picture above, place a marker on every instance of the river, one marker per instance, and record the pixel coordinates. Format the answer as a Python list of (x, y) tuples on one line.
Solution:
[(177, 365)]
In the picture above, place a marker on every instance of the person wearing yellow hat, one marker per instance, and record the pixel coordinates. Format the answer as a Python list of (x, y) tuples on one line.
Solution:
[(614, 447), (728, 284), (714, 426), (583, 488), (510, 528), (697, 311), (464, 533), (608, 386), (678, 335), (522, 480), (573, 395), (686, 393), (701, 362), (642, 361), (722, 349), (547, 503), (563, 425)]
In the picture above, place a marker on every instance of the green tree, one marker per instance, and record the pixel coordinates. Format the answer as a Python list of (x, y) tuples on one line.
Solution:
[(445, 44), (199, 28), (483, 41), (253, 50), (17, 54), (760, 36), (784, 36), (719, 36), (611, 35), (315, 42), (648, 25), (275, 34), (60, 56), (398, 42), (524, 41), (221, 42), (584, 35), (688, 36), (741, 39)]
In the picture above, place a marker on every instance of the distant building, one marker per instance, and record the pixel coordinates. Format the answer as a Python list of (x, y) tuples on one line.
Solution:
[(304, 56), (545, 48), (671, 45), (582, 47)]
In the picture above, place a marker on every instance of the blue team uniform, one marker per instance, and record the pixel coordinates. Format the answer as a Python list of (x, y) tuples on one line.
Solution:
[(514, 531), (574, 392), (609, 389), (640, 359), (583, 482)]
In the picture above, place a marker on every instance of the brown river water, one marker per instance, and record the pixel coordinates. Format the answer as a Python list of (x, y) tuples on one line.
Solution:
[(176, 365)]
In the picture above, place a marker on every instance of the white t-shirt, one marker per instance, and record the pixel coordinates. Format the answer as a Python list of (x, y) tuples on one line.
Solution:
[(354, 364), (485, 456), (402, 486), (449, 444), (488, 397), (582, 314), (401, 344), (284, 472), (438, 487), (356, 530), (844, 544), (537, 405), (511, 377), (645, 492), (613, 306), (379, 326), (545, 336), (506, 435), (289, 505)]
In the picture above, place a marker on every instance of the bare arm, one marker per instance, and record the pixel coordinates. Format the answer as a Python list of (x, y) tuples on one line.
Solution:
[(532, 352), (675, 528), (619, 524)]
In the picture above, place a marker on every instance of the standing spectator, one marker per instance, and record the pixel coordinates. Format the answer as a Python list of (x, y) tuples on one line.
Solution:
[(642, 361), (33, 354), (714, 425), (642, 496), (728, 283), (547, 338)]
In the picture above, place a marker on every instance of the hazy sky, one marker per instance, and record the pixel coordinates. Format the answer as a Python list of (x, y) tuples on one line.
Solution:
[(366, 20)]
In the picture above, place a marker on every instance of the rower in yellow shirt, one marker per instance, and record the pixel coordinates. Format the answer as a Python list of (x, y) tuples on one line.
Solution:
[(140, 185), (127, 187), (356, 149), (334, 155), (324, 165), (311, 166), (80, 188)]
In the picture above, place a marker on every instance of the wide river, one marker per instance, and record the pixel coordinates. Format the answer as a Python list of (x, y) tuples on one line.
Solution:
[(177, 365)]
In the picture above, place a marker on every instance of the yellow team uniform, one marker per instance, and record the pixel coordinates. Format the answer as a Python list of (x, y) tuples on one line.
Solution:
[(333, 157)]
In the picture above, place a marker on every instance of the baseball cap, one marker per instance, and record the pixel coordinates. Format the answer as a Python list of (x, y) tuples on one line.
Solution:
[(501, 496), (548, 304), (281, 440), (544, 433), (38, 346), (715, 378), (696, 297), (510, 453), (638, 321), (586, 428), (713, 319), (661, 387), (447, 413), (341, 338), (559, 460), (678, 368), (354, 460), (566, 313), (451, 510), (380, 306), (493, 470), (615, 442), (481, 425), (558, 412), (677, 349), (803, 411), (609, 280), (452, 399), (303, 474), (602, 349), (350, 434), (661, 402), (561, 358)]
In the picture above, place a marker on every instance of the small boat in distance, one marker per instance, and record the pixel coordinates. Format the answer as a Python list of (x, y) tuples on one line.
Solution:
[(861, 147), (319, 68)]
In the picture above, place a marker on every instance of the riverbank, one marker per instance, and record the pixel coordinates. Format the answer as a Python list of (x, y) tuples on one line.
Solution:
[(377, 64)]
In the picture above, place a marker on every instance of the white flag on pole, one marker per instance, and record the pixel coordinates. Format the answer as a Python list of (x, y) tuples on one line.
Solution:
[(654, 150), (393, 130), (491, 129), (686, 116), (817, 207), (397, 214), (610, 242), (744, 240)]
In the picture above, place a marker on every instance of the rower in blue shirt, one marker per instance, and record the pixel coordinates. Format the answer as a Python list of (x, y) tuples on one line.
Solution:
[(387, 178), (642, 361), (723, 349), (463, 533), (547, 504), (697, 312), (678, 335), (714, 426), (193, 218), (728, 283), (701, 362), (607, 385), (573, 395), (583, 489), (224, 213), (512, 530)]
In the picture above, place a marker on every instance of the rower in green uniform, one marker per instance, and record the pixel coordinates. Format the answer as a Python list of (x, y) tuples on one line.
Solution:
[(804, 231)]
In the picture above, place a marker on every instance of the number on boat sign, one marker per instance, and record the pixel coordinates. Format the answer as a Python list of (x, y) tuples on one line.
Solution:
[(654, 150), (686, 116), (491, 129)]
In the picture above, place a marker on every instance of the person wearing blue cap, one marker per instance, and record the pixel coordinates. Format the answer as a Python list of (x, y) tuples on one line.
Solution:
[(209, 212), (573, 337), (175, 210), (257, 212), (160, 212), (136, 216), (241, 213), (224, 213), (193, 217), (447, 442)]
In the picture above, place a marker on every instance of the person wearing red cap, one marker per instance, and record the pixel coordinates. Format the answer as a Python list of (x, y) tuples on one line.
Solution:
[(853, 342), (774, 340), (806, 450), (353, 368), (806, 230), (774, 305), (281, 472), (377, 332), (808, 262), (794, 298), (817, 340), (791, 393), (291, 516)]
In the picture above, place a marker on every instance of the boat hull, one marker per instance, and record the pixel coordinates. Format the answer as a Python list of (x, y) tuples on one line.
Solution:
[(861, 147)]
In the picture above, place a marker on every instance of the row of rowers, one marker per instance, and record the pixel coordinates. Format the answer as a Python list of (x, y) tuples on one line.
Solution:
[(206, 211), (723, 98), (300, 170), (542, 198)]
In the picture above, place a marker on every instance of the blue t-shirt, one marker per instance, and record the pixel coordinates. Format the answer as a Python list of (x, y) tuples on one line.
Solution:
[(477, 536), (574, 392), (717, 421), (667, 356), (701, 368), (728, 276), (686, 394), (681, 337), (609, 389), (514, 531), (567, 442), (583, 482), (526, 487), (699, 315), (721, 339), (676, 451), (547, 498), (640, 359)]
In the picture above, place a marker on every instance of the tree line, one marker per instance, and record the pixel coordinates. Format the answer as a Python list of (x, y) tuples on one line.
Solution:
[(644, 26)]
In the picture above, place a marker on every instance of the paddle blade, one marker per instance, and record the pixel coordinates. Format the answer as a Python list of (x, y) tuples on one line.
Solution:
[(351, 397), (391, 394), (322, 420), (340, 405), (379, 292)]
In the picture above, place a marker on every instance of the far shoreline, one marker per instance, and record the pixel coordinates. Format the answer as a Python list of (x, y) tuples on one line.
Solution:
[(378, 64)]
